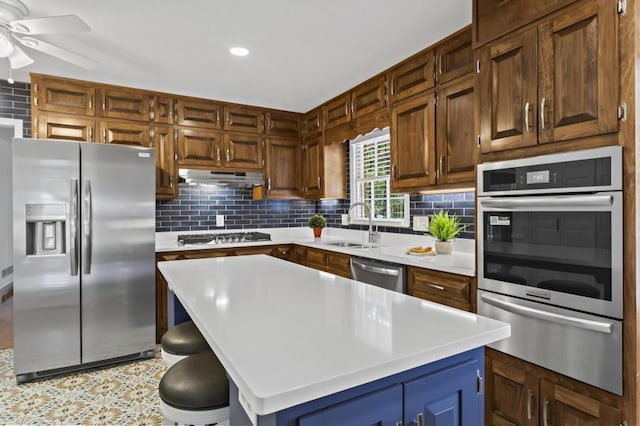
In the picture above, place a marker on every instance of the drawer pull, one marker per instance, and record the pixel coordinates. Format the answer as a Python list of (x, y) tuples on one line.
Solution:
[(436, 286)]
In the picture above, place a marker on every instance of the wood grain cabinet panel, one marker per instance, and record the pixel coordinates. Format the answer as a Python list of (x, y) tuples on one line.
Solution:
[(130, 105), (125, 133), (282, 124), (300, 255), (283, 163), (199, 147), (316, 259), (312, 122), (413, 143), (198, 113), (441, 287), (563, 406), (456, 144), (242, 151), (67, 128), (412, 76), (337, 111), (313, 163), (61, 96), (163, 141), (339, 264), (243, 119), (369, 97), (162, 109), (454, 57)]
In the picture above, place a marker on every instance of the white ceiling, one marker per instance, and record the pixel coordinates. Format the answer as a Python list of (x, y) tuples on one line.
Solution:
[(302, 52)]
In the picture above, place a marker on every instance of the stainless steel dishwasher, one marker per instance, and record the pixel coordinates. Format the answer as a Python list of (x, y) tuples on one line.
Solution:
[(382, 274)]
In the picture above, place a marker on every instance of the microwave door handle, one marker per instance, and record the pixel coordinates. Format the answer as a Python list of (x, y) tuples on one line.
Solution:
[(557, 201), (599, 326)]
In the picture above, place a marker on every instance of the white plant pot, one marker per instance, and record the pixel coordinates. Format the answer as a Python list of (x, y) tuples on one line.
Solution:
[(444, 247)]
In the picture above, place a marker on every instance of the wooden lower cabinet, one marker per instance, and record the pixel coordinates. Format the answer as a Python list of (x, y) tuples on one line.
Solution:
[(441, 287), (316, 259), (329, 261), (520, 393)]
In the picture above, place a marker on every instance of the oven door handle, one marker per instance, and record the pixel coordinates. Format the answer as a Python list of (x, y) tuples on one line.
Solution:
[(554, 201), (599, 326)]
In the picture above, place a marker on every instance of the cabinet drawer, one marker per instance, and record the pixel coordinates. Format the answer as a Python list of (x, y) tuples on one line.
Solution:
[(198, 113), (440, 287), (339, 264), (412, 76), (130, 105), (316, 259), (242, 119)]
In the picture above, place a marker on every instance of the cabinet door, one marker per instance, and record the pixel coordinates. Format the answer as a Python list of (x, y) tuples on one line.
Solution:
[(282, 124), (511, 394), (166, 168), (507, 87), (454, 57), (316, 259), (440, 287), (130, 105), (313, 167), (242, 151), (457, 148), (162, 109), (283, 252), (282, 171), (449, 397), (198, 147), (337, 111), (70, 129), (198, 113), (383, 407), (339, 264), (300, 255), (579, 73), (563, 406), (413, 143), (64, 97), (412, 76), (243, 119), (125, 133), (312, 122), (369, 97)]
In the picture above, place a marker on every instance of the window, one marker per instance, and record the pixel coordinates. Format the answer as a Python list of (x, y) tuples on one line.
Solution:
[(370, 164)]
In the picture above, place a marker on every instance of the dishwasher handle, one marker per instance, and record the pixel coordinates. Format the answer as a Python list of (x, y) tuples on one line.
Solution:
[(376, 269)]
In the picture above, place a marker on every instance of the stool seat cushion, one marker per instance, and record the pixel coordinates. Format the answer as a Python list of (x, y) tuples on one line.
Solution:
[(198, 382), (184, 339)]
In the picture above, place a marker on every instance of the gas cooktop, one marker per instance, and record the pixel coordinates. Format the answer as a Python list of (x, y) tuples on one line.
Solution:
[(223, 238)]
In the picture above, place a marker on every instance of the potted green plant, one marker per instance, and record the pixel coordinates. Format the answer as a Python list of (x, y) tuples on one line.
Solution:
[(444, 228), (317, 222)]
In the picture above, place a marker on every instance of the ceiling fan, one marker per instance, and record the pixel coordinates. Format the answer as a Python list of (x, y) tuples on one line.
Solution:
[(16, 29)]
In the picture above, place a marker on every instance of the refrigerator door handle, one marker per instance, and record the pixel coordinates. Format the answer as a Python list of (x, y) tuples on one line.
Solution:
[(73, 228), (87, 234)]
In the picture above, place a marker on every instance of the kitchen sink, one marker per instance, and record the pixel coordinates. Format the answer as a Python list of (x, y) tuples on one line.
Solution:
[(348, 244)]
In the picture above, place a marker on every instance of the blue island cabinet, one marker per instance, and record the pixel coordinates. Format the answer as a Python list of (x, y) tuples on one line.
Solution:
[(447, 392)]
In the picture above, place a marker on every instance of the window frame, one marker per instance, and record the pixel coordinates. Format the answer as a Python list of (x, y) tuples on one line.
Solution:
[(378, 135)]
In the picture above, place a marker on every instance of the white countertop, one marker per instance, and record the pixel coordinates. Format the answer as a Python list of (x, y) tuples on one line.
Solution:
[(287, 334), (391, 248)]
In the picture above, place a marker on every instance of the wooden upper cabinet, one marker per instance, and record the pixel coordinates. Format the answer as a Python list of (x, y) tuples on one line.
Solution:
[(163, 141), (493, 18), (199, 147), (283, 163), (282, 124), (198, 113), (313, 166), (162, 109), (312, 122), (369, 97), (129, 105), (61, 96), (242, 151), (67, 128), (579, 81), (413, 163), (454, 57), (337, 111), (456, 144), (563, 406), (243, 119), (412, 76), (507, 86), (125, 133)]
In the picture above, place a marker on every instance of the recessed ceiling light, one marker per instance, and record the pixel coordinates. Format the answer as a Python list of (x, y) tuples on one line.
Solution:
[(239, 51)]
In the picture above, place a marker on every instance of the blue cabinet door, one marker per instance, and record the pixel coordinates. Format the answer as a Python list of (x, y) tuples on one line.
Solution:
[(446, 398), (380, 408)]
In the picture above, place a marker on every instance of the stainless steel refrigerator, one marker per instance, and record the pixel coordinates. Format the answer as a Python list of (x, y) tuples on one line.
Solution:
[(84, 255)]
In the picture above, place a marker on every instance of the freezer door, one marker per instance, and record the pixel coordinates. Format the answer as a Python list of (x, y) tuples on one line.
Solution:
[(118, 250), (47, 294)]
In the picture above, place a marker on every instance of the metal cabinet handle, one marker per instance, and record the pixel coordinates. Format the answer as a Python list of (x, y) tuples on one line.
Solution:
[(73, 228), (441, 166), (175, 112), (440, 64), (218, 116), (218, 154), (529, 396), (90, 134), (393, 174), (152, 115), (104, 102), (542, 108), (104, 134), (436, 286), (319, 183), (527, 107), (268, 184), (87, 231), (91, 101), (420, 418), (545, 412)]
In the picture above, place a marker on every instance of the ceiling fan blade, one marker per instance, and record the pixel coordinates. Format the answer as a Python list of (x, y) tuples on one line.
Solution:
[(50, 25), (57, 52), (19, 59)]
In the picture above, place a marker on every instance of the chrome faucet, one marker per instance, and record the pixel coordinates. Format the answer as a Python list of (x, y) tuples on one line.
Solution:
[(373, 236)]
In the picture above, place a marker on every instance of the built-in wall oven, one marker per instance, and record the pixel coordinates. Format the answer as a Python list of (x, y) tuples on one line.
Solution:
[(550, 260)]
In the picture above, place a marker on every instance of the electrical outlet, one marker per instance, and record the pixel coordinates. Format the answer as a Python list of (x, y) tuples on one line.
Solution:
[(420, 223), (219, 220), (345, 219)]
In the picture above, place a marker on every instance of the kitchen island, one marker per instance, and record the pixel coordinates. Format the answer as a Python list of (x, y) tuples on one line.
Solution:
[(305, 346)]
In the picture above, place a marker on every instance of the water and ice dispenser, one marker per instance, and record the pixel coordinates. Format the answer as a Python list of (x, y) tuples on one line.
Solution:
[(45, 229)]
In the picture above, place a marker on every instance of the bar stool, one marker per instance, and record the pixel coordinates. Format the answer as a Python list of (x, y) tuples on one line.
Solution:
[(195, 391), (181, 341)]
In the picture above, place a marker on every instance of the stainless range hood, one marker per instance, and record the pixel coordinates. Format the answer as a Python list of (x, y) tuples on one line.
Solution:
[(208, 177)]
